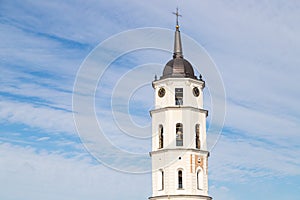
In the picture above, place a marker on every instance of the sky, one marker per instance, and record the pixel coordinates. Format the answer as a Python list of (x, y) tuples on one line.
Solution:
[(64, 72)]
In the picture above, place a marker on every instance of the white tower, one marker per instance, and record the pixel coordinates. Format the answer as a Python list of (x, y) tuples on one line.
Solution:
[(179, 153)]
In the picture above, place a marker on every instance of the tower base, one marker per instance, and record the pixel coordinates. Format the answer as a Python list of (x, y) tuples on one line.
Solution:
[(181, 197)]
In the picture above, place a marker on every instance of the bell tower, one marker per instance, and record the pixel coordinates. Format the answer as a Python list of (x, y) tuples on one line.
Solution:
[(179, 153)]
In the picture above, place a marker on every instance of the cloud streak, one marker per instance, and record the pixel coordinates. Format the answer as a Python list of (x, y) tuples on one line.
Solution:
[(254, 43)]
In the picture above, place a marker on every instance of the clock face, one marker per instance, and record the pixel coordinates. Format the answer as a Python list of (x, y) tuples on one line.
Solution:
[(161, 92), (196, 91)]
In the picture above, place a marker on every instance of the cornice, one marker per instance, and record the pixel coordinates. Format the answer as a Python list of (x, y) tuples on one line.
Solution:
[(180, 149), (177, 108)]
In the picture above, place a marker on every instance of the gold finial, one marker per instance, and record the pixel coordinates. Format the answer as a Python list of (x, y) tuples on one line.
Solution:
[(177, 15)]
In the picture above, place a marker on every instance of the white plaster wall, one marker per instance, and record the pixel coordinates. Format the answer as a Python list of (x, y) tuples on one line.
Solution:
[(170, 84), (169, 162), (169, 117)]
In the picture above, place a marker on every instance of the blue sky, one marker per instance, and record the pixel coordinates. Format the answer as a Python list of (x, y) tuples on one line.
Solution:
[(254, 44)]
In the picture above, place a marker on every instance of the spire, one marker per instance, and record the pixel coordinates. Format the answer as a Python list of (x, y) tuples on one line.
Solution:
[(178, 66), (177, 42)]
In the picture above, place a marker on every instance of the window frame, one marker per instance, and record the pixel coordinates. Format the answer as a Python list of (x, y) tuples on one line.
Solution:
[(200, 175)]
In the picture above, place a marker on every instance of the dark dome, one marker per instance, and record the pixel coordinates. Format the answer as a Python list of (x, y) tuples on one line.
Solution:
[(178, 67)]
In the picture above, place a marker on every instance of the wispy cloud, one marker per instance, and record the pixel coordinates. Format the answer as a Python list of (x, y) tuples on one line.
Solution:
[(54, 176), (244, 159), (254, 43), (50, 120)]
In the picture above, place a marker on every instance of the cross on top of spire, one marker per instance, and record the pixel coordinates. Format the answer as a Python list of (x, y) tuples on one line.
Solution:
[(177, 15)]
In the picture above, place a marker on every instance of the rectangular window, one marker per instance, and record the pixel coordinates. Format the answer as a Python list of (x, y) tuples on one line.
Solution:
[(178, 96)]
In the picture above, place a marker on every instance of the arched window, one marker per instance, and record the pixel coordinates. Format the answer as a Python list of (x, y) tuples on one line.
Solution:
[(197, 131), (160, 180), (179, 134), (180, 179), (200, 179), (161, 136)]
